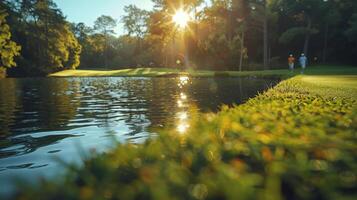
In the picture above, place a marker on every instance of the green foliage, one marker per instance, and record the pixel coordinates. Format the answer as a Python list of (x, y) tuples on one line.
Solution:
[(296, 141), (309, 7), (47, 41), (55, 48), (352, 31), (74, 50), (105, 24), (221, 35), (135, 22), (223, 32), (8, 48), (294, 33), (223, 43)]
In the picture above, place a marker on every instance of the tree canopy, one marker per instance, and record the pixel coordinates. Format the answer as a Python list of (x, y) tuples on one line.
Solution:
[(8, 48), (220, 35), (47, 42)]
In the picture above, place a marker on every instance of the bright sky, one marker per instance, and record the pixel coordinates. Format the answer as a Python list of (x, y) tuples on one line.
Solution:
[(87, 11)]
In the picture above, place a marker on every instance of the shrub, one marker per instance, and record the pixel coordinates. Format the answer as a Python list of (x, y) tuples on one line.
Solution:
[(288, 143)]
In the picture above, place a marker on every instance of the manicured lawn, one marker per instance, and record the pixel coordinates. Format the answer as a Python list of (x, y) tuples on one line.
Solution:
[(123, 72), (296, 141), (332, 85), (150, 72)]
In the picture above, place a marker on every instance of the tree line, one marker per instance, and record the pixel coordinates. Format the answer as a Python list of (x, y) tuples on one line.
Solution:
[(221, 34)]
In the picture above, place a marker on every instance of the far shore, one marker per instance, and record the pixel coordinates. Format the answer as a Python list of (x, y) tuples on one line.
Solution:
[(172, 72)]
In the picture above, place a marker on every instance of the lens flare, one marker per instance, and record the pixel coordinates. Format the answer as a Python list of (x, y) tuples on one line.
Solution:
[(181, 18)]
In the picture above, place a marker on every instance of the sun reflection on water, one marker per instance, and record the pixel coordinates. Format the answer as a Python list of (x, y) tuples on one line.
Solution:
[(182, 103), (179, 103), (182, 115), (183, 96), (183, 80)]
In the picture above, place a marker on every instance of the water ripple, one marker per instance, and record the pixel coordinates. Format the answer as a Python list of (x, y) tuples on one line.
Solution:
[(42, 118)]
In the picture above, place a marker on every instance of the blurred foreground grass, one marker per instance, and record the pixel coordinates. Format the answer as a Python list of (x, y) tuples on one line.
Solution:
[(296, 141)]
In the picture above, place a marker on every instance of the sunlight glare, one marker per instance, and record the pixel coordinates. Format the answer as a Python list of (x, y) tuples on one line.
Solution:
[(184, 80), (183, 96), (181, 18), (179, 103), (182, 128), (182, 116)]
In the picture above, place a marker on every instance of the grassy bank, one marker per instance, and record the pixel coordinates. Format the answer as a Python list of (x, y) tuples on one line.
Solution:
[(296, 141), (154, 72)]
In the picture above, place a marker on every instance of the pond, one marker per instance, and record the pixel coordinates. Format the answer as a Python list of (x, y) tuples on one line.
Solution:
[(44, 120)]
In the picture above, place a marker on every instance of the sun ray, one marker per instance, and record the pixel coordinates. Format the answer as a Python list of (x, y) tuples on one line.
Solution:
[(181, 18)]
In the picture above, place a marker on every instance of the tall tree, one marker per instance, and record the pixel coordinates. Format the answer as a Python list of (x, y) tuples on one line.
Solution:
[(84, 34), (135, 21), (306, 13), (265, 33), (48, 44), (136, 24), (81, 31), (331, 17), (105, 25), (242, 10), (222, 33), (351, 32)]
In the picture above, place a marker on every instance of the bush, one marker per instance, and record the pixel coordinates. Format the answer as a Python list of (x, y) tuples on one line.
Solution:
[(288, 143)]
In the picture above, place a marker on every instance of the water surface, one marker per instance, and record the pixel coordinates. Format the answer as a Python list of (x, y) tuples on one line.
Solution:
[(46, 119)]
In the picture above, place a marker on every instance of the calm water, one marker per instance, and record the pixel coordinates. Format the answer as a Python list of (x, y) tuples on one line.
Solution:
[(43, 120)]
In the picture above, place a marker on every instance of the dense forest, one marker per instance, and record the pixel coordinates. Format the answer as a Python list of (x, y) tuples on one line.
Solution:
[(36, 39)]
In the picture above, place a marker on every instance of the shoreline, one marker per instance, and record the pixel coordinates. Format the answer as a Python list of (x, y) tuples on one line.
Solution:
[(166, 72), (299, 133)]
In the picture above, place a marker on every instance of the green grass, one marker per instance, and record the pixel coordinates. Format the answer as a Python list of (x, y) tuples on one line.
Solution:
[(123, 72), (153, 72), (298, 140), (332, 85)]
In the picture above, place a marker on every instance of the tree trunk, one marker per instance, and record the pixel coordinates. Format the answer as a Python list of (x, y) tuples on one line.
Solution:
[(324, 53), (105, 49), (2, 72), (172, 59), (138, 45), (269, 54), (165, 58), (307, 36), (241, 51), (196, 24), (195, 38), (265, 37)]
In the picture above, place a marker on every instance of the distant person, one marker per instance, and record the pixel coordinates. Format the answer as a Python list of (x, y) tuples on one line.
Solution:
[(303, 62), (291, 61), (178, 62)]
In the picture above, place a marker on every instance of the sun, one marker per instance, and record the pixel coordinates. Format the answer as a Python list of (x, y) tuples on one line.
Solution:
[(181, 18)]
